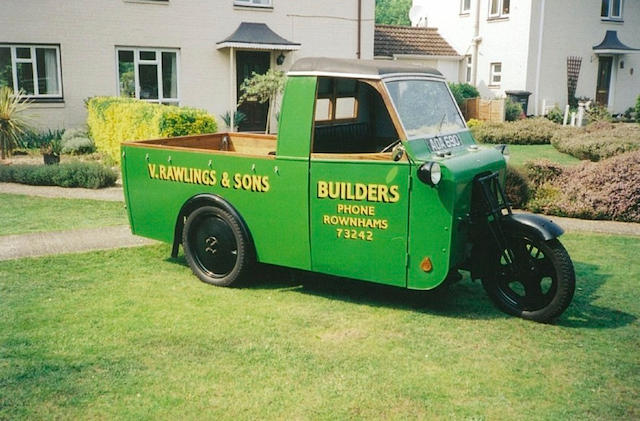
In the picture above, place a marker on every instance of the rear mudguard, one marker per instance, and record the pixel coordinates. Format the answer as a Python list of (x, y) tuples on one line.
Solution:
[(483, 255)]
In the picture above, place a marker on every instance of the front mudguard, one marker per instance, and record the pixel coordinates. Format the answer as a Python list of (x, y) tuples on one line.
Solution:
[(483, 255)]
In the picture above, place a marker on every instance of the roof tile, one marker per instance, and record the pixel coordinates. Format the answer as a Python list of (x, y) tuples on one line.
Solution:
[(391, 39)]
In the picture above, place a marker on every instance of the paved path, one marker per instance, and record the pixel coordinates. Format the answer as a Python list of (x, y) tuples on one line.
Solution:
[(110, 193), (74, 241)]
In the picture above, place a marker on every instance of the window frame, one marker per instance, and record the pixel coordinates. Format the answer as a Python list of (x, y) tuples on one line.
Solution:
[(137, 61), (463, 10), (468, 68), (333, 104), (493, 73), (36, 96), (609, 11), (500, 14), (250, 3)]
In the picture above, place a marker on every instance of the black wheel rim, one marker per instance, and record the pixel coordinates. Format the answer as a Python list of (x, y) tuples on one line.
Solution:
[(213, 245), (526, 275)]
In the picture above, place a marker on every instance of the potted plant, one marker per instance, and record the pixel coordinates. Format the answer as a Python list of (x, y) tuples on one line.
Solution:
[(51, 151)]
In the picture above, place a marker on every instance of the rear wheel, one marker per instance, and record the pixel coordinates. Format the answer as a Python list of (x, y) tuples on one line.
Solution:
[(534, 279), (216, 247)]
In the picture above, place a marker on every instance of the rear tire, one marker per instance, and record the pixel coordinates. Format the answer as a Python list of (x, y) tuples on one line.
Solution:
[(539, 286), (216, 248)]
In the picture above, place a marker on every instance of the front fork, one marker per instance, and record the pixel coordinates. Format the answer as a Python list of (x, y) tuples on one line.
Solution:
[(490, 204)]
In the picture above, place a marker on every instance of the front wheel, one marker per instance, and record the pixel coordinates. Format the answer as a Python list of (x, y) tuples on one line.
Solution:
[(216, 247), (533, 279)]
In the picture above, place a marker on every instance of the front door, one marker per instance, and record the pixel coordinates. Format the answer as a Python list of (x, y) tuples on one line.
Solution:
[(604, 80), (248, 62)]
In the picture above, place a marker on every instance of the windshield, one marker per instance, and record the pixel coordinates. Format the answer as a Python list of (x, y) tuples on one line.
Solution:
[(425, 107)]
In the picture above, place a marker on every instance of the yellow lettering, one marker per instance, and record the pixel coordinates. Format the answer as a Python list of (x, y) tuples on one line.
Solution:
[(152, 170), (382, 193), (196, 175), (323, 190), (237, 181), (163, 172), (372, 193), (266, 186), (395, 195)]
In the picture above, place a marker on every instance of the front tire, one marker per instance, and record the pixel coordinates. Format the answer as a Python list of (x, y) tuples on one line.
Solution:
[(538, 284), (215, 247)]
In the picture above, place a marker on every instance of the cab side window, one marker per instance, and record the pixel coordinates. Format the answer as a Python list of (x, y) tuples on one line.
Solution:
[(350, 117)]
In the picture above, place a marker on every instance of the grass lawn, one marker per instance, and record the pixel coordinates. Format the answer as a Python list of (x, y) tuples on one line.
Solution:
[(132, 334), (24, 214), (523, 153)]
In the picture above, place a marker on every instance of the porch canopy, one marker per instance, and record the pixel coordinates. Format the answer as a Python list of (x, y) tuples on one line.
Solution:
[(257, 36), (612, 45)]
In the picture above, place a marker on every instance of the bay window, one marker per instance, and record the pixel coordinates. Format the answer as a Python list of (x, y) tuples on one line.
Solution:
[(149, 74), (34, 69)]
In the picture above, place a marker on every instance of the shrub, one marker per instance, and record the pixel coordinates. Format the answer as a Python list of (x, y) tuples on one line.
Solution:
[(603, 190), (638, 109), (598, 140), (530, 131), (512, 110), (462, 91), (516, 187), (556, 115), (13, 122), (474, 122), (542, 171), (77, 141), (74, 174), (35, 139), (597, 113), (114, 120)]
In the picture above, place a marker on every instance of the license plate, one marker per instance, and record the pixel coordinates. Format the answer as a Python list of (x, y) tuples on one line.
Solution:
[(439, 143)]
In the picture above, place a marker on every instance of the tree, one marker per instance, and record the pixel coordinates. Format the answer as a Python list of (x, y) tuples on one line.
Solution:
[(393, 12), (263, 88), (13, 123)]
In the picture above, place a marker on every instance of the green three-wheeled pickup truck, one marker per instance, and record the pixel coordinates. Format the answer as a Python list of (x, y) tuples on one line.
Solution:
[(373, 175)]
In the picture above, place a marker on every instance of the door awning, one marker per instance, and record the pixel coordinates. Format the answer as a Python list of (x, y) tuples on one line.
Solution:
[(256, 36), (612, 45)]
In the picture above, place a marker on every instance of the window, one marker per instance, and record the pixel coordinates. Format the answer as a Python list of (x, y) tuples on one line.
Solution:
[(35, 69), (499, 8), (336, 99), (148, 74), (495, 77), (468, 67), (611, 10), (465, 7), (253, 3)]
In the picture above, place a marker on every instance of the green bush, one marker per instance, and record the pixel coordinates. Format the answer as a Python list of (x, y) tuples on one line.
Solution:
[(512, 110), (638, 109), (516, 187), (598, 113), (556, 115), (474, 122), (609, 189), (529, 131), (36, 139), (74, 174), (542, 171), (462, 91), (598, 140), (113, 120), (77, 141)]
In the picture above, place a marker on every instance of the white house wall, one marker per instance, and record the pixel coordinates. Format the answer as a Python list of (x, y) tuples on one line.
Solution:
[(572, 28), (503, 40), (89, 31)]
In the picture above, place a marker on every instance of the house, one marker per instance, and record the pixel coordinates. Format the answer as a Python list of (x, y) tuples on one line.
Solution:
[(424, 46), (554, 49), (186, 52)]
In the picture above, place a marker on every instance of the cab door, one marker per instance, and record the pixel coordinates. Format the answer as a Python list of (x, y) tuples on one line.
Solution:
[(358, 196)]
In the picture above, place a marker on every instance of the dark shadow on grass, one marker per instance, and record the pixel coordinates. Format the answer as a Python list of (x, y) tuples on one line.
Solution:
[(465, 299), (582, 313)]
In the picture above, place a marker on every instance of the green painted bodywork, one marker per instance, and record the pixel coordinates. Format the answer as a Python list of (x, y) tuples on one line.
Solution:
[(382, 237)]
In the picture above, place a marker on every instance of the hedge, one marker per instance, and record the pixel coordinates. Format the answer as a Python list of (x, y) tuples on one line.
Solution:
[(90, 175), (609, 189), (598, 141), (114, 120), (529, 131)]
